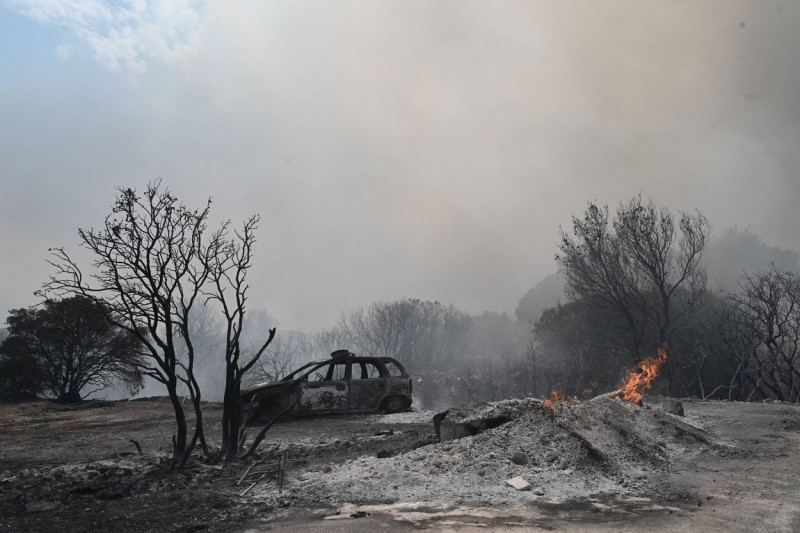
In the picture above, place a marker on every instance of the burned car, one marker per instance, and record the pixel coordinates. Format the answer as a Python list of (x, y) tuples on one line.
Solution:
[(345, 383)]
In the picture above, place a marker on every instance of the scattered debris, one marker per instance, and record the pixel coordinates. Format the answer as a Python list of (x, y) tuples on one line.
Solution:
[(673, 407), (602, 456), (245, 491), (247, 472), (282, 469), (138, 446), (519, 483), (519, 458)]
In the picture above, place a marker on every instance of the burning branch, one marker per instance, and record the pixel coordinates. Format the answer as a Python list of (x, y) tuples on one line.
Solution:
[(639, 377)]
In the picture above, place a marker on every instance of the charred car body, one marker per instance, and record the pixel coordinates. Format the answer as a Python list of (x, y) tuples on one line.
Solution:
[(345, 383)]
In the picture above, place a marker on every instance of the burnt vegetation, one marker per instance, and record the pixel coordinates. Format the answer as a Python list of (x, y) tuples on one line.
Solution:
[(156, 266), (166, 300), (629, 282)]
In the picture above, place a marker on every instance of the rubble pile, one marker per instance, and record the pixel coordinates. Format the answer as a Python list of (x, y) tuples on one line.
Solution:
[(600, 446)]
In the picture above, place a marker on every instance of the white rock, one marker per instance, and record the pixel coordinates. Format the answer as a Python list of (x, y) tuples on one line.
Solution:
[(519, 483)]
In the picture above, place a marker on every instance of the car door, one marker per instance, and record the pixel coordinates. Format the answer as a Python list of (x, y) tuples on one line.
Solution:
[(367, 386), (325, 390)]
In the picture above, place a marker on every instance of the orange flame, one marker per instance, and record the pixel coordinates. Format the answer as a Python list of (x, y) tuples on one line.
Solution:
[(639, 377), (557, 396)]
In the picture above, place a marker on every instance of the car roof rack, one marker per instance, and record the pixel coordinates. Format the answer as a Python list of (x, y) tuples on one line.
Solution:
[(341, 353)]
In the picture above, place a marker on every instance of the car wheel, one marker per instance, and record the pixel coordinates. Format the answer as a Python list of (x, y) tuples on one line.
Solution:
[(393, 404)]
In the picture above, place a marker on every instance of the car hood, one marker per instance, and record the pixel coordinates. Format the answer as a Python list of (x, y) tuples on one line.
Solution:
[(270, 386)]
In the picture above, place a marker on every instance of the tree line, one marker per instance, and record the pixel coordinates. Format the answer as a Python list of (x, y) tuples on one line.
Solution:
[(162, 281), (636, 281), (632, 281)]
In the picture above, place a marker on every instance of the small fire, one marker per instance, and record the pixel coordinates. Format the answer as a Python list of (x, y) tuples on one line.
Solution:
[(557, 396), (639, 377)]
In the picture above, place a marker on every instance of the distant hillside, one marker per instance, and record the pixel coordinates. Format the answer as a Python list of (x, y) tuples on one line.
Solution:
[(549, 292), (737, 251)]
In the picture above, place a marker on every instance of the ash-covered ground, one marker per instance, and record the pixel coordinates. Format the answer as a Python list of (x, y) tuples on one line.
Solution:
[(595, 465), (597, 447)]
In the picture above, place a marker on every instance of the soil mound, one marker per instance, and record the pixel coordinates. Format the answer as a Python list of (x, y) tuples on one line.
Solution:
[(599, 446)]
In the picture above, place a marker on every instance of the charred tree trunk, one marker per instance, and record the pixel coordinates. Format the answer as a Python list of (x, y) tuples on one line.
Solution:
[(233, 412), (179, 451), (231, 416), (70, 396), (266, 428)]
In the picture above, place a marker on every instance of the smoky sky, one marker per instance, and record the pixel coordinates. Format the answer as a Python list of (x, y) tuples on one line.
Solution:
[(425, 149)]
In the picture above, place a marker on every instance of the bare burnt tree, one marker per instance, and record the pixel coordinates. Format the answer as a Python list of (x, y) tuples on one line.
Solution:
[(76, 352), (578, 348), (498, 334), (523, 372), (643, 266), (228, 262), (738, 346), (667, 259), (289, 349), (414, 331), (205, 328), (326, 341), (707, 371), (482, 382), (765, 334), (386, 328), (150, 265)]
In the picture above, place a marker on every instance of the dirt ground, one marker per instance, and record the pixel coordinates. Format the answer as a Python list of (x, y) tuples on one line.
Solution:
[(593, 466)]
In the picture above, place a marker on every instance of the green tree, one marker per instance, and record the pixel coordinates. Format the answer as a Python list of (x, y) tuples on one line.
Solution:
[(67, 350), (20, 375)]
